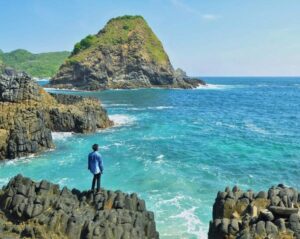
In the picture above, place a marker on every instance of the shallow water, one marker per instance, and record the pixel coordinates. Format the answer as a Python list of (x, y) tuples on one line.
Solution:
[(177, 148)]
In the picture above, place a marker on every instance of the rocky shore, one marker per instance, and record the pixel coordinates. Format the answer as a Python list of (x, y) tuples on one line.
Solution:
[(42, 210), (246, 215), (125, 54), (29, 114)]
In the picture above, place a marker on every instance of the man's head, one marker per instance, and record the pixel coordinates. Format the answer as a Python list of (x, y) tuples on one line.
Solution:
[(95, 147)]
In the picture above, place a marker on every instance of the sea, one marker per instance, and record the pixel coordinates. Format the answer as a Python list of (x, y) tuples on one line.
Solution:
[(177, 148)]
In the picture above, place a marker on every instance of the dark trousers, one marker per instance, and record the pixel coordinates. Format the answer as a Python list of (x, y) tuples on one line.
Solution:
[(97, 177)]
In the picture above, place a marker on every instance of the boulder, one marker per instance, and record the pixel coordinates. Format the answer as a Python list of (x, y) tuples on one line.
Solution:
[(56, 213), (272, 214), (28, 115)]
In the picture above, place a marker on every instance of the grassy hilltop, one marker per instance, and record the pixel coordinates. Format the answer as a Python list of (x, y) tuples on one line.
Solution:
[(42, 65), (125, 54), (127, 32)]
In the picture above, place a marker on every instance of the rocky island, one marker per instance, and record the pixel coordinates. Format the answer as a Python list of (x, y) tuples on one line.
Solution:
[(29, 114), (42, 210), (249, 215), (124, 54)]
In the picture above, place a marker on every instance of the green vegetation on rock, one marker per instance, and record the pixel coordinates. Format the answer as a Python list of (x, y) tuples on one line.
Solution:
[(42, 65), (125, 54), (126, 31)]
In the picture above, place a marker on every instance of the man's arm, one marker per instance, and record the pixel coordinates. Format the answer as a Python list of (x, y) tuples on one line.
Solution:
[(100, 163), (89, 159)]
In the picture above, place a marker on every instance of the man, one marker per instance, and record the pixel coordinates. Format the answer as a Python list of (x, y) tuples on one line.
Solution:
[(95, 165)]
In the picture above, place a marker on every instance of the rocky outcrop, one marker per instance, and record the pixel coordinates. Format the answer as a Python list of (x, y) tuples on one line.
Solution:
[(246, 215), (124, 54), (29, 114), (41, 210)]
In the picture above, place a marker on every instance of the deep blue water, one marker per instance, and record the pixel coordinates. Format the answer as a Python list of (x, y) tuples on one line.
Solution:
[(177, 148)]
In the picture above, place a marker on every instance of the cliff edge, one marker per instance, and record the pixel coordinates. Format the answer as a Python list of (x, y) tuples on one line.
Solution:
[(124, 54), (42, 210), (29, 114)]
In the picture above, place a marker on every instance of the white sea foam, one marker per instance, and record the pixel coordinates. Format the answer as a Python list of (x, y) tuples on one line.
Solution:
[(175, 201), (61, 135), (117, 105), (160, 159), (160, 107), (122, 120), (161, 156), (136, 108), (59, 89), (218, 123), (63, 181), (155, 138), (3, 181), (254, 128), (216, 87), (192, 222)]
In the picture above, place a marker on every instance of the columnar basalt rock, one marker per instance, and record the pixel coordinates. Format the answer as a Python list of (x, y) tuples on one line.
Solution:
[(245, 215), (41, 210), (29, 114)]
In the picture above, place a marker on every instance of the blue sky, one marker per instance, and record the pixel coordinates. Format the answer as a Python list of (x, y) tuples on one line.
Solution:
[(204, 37)]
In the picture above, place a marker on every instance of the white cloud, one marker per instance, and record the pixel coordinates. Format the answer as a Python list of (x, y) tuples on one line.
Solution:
[(210, 17), (183, 6), (180, 4)]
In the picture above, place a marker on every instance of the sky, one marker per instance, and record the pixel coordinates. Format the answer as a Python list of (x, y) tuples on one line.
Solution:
[(203, 37)]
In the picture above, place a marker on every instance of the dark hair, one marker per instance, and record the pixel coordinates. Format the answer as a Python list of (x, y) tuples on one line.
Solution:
[(95, 147)]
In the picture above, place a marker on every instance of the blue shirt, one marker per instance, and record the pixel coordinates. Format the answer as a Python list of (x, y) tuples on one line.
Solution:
[(95, 163)]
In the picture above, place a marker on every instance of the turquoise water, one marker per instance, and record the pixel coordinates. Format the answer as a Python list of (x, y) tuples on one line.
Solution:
[(177, 148)]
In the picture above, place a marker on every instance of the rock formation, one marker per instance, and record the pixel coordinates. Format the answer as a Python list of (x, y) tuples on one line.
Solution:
[(41, 210), (124, 54), (29, 114), (246, 215)]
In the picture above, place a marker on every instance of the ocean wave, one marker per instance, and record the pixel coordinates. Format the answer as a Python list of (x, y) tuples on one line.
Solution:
[(160, 107), (175, 201), (160, 159), (219, 123), (63, 90), (122, 120), (117, 105), (254, 128), (216, 87), (61, 135), (193, 223), (63, 181), (136, 108), (3, 181), (155, 138)]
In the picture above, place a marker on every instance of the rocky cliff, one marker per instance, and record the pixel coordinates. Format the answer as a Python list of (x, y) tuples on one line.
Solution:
[(41, 210), (29, 114), (124, 54), (249, 215)]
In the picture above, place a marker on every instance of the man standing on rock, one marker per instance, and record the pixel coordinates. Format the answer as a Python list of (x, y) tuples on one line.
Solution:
[(95, 165)]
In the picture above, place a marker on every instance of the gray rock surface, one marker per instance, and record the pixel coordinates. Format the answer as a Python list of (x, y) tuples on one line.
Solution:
[(43, 210), (273, 214), (125, 54), (29, 114)]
